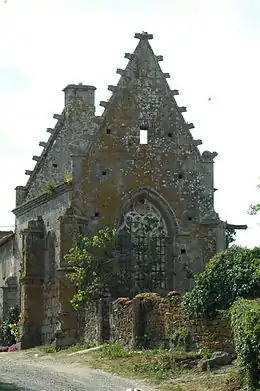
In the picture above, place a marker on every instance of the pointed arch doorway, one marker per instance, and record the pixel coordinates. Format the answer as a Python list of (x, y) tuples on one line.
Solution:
[(146, 238)]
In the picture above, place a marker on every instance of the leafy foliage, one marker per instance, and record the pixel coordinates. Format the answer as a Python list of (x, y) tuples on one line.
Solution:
[(15, 329), (230, 236), (229, 275), (6, 333), (92, 271), (245, 321), (254, 209)]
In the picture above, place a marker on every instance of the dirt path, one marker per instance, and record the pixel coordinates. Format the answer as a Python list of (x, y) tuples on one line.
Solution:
[(43, 373)]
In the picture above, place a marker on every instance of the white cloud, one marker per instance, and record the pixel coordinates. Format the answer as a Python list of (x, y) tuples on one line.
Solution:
[(209, 48)]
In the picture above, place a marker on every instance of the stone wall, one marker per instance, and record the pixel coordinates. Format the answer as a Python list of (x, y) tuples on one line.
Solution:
[(150, 320), (50, 207), (121, 321), (9, 295)]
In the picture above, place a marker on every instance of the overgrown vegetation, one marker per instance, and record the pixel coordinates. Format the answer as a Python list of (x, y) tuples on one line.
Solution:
[(231, 274), (254, 209), (68, 177), (230, 236), (9, 331), (245, 320), (93, 270), (49, 187)]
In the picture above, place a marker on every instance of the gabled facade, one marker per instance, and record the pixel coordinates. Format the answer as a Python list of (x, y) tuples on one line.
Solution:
[(94, 172)]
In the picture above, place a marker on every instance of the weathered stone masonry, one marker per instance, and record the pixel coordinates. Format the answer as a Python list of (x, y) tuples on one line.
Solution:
[(94, 172)]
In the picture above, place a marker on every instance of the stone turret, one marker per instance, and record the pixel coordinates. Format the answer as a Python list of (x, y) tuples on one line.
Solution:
[(86, 93)]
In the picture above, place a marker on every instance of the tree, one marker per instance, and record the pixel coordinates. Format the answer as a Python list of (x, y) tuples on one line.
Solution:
[(230, 235), (254, 209), (229, 275), (91, 266), (95, 272)]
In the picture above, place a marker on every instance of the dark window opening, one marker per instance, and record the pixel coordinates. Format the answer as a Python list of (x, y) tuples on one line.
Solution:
[(183, 251), (143, 127), (108, 131), (97, 214), (169, 134), (104, 172), (180, 176), (55, 165), (130, 144), (189, 218)]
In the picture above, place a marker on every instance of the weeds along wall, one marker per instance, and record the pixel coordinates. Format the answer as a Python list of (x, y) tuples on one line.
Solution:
[(150, 320)]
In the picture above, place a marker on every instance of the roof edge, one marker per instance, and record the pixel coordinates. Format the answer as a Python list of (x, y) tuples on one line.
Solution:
[(6, 239)]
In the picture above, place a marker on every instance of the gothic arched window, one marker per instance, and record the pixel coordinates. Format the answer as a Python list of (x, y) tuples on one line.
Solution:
[(143, 235)]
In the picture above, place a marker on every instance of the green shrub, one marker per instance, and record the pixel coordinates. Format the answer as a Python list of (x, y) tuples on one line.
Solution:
[(114, 350), (229, 275), (245, 321), (179, 338), (6, 331)]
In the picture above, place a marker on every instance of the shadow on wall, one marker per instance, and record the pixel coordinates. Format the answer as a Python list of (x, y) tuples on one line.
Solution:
[(10, 294), (12, 387)]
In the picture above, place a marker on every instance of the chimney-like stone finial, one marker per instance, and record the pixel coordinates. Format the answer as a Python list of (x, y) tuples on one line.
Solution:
[(144, 35), (82, 91), (20, 192)]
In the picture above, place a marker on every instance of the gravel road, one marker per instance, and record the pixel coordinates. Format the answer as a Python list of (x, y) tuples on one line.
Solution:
[(41, 374)]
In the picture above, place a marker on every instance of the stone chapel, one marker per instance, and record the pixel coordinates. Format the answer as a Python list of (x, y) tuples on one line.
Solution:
[(136, 163)]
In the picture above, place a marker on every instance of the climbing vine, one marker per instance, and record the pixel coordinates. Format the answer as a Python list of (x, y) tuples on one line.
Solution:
[(245, 321)]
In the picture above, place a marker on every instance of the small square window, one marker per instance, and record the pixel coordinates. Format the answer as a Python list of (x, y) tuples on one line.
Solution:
[(104, 172), (108, 131), (183, 251), (189, 218), (143, 136), (180, 176), (169, 134), (97, 214)]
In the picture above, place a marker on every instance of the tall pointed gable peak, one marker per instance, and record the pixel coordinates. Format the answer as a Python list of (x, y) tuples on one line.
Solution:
[(146, 54), (139, 59)]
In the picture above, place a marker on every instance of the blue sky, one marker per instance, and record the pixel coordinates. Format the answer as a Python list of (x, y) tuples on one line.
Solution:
[(210, 48)]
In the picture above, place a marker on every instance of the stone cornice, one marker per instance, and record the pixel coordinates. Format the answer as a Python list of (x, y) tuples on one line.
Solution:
[(6, 239), (42, 199)]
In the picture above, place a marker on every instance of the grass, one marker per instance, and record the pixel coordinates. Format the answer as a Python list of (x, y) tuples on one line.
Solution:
[(163, 368)]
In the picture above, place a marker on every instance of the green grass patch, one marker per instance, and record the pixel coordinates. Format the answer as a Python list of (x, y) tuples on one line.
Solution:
[(155, 364)]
